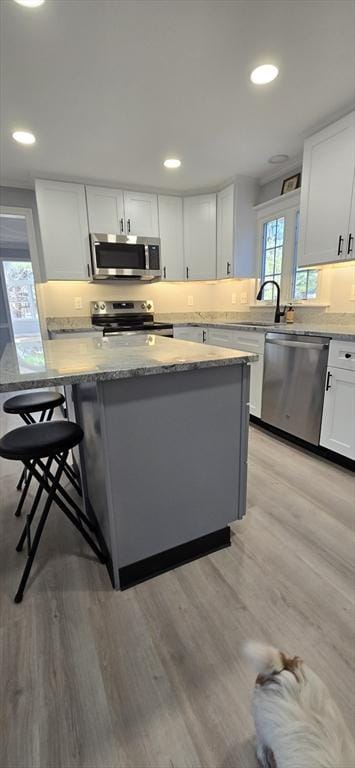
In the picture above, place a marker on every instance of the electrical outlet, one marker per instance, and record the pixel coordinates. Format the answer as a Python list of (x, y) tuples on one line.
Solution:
[(190, 301), (78, 302), (244, 297), (234, 298)]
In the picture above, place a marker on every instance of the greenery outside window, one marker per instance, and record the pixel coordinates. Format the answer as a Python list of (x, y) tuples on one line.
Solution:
[(278, 228)]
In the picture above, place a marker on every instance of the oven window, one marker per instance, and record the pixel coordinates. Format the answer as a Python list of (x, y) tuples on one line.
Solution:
[(120, 256)]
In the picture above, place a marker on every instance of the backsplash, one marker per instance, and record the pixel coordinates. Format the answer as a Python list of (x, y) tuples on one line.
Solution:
[(223, 299)]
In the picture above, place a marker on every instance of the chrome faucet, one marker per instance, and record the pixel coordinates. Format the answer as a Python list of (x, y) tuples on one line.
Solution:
[(278, 312)]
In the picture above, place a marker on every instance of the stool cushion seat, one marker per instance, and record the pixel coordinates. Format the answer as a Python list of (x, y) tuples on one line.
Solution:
[(32, 402), (37, 441)]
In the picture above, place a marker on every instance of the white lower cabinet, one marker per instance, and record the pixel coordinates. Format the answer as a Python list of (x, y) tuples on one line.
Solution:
[(338, 421), (246, 341), (190, 333)]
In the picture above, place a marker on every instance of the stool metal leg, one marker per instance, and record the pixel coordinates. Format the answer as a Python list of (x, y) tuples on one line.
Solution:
[(48, 481), (24, 492), (22, 479), (30, 516), (39, 530)]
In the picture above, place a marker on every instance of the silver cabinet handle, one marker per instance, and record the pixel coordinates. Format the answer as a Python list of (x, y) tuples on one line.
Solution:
[(164, 273), (328, 385), (121, 225), (204, 336), (128, 225), (228, 268), (340, 246), (187, 273), (296, 344), (350, 241)]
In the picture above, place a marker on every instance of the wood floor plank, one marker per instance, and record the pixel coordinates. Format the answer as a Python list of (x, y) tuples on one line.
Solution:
[(154, 676)]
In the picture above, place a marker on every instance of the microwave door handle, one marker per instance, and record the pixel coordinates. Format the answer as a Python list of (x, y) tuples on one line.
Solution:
[(146, 248)]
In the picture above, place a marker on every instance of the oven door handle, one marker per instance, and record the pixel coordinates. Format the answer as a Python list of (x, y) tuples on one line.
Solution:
[(297, 344)]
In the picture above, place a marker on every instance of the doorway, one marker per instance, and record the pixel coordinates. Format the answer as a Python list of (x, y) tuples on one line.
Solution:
[(19, 316)]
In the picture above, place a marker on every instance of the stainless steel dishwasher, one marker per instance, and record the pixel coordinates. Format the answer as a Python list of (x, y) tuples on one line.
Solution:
[(294, 379)]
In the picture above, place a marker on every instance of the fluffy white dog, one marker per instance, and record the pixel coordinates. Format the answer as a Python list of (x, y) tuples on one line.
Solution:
[(297, 723)]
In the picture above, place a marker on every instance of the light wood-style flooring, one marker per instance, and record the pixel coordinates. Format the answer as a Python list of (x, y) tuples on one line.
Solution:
[(153, 677)]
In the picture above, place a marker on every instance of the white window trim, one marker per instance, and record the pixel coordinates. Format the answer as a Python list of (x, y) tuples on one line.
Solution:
[(288, 209)]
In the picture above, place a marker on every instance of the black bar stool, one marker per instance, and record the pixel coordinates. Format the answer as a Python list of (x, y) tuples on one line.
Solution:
[(51, 441), (25, 406)]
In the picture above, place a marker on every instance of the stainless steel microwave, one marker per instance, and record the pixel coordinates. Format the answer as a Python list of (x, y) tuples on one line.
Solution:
[(125, 257)]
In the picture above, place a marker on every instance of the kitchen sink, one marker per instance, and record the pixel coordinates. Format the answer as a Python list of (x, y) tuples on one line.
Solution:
[(253, 322)]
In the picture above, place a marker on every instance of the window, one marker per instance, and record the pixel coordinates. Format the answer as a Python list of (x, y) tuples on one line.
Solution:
[(305, 281), (278, 243), (273, 243)]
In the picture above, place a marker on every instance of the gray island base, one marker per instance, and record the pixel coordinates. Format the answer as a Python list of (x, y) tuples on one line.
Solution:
[(164, 456), (165, 462)]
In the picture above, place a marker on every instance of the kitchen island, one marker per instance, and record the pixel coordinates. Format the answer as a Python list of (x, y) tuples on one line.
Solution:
[(164, 457)]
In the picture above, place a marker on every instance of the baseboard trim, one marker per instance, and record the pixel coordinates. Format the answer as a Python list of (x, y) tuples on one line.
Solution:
[(173, 558), (324, 453)]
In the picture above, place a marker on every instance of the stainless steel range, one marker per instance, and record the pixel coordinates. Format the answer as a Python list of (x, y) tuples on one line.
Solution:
[(122, 317)]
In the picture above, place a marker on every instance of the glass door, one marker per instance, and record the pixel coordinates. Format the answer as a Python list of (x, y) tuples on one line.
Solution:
[(19, 321)]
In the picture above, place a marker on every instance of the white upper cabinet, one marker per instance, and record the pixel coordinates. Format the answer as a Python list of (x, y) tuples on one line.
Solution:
[(200, 237), (105, 210), (171, 235), (225, 232), (349, 245), (326, 194), (236, 236), (141, 214), (64, 229)]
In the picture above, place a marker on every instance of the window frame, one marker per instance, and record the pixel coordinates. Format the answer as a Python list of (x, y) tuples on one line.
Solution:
[(288, 209)]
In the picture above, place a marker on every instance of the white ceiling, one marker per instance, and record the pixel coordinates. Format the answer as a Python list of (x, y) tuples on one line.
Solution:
[(112, 87)]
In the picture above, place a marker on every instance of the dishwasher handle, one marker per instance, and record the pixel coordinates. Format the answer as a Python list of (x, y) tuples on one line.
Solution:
[(297, 344)]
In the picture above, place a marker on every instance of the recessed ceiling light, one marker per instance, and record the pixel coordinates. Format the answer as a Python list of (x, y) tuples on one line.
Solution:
[(172, 162), (264, 74), (24, 137), (275, 159), (30, 3)]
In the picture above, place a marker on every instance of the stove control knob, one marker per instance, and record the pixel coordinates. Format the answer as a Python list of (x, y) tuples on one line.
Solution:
[(96, 306), (149, 306), (102, 306), (143, 306)]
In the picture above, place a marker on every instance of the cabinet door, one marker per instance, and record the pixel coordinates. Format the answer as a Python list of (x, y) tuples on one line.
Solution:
[(64, 229), (200, 237), (225, 232), (338, 422), (171, 235), (328, 174), (190, 333), (350, 243), (248, 342), (105, 210), (141, 214)]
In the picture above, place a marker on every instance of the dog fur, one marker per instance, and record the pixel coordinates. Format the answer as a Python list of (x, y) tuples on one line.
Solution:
[(297, 723)]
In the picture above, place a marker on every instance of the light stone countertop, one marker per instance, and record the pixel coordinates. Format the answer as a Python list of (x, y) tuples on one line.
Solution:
[(29, 365), (341, 332)]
